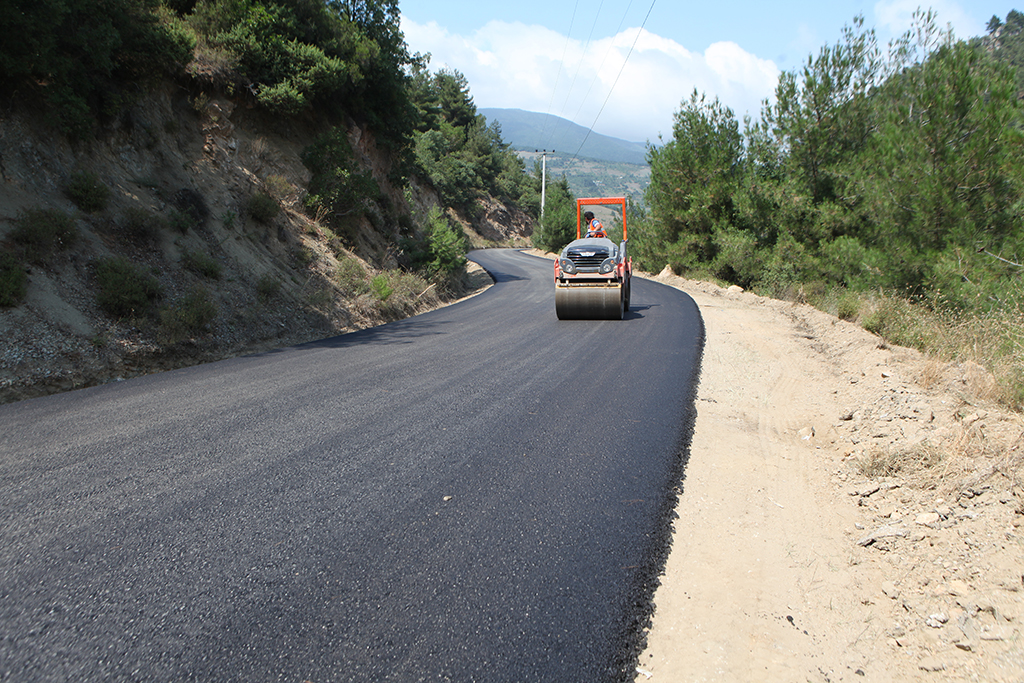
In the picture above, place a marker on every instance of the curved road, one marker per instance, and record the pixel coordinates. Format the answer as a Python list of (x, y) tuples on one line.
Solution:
[(479, 493)]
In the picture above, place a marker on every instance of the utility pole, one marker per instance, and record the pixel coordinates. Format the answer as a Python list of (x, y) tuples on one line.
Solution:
[(544, 180)]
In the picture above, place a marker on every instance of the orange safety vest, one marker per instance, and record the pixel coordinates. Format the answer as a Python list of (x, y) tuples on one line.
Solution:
[(597, 228)]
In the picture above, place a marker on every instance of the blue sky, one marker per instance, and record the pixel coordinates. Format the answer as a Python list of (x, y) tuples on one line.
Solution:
[(569, 57)]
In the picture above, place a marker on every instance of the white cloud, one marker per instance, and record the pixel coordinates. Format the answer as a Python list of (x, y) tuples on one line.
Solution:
[(513, 65), (896, 16)]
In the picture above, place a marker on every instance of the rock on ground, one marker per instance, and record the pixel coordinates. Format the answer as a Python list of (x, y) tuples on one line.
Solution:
[(849, 511)]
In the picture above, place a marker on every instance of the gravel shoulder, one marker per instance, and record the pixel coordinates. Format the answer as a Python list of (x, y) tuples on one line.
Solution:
[(850, 511)]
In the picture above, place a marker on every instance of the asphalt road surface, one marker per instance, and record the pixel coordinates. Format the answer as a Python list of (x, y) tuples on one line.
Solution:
[(480, 493)]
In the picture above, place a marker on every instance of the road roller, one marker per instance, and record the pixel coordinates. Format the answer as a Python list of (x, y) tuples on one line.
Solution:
[(592, 273)]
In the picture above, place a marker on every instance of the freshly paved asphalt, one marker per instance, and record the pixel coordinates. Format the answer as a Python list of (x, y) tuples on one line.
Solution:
[(480, 493)]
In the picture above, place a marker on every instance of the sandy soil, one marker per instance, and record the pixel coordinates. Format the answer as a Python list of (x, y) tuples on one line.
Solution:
[(788, 562)]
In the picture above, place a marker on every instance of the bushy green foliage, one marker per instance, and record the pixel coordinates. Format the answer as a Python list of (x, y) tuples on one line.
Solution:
[(297, 53), (278, 187), (381, 288), (1008, 44), (885, 188), (125, 289), (351, 276), (180, 221), (463, 156), (88, 192), (87, 57), (201, 263), (558, 226), (693, 181), (267, 288), (446, 245), (141, 226), (43, 232), (442, 251), (87, 53), (337, 188), (13, 281), (408, 291), (897, 171), (188, 317), (262, 207)]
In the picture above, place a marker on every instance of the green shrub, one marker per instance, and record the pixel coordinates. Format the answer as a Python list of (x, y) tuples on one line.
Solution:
[(141, 226), (267, 288), (200, 102), (124, 288), (192, 204), (89, 54), (13, 281), (848, 306), (180, 221), (203, 264), (351, 276), (334, 242), (304, 255), (409, 292), (381, 288), (41, 232), (337, 186), (87, 192), (263, 208), (188, 317), (297, 53), (447, 246), (901, 322)]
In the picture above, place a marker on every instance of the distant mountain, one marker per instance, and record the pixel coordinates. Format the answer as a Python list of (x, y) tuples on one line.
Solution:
[(529, 131)]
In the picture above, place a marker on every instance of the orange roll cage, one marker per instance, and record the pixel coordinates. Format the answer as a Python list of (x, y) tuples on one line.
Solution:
[(600, 201)]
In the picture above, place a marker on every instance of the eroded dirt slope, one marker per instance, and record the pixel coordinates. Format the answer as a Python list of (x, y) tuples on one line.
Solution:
[(182, 171)]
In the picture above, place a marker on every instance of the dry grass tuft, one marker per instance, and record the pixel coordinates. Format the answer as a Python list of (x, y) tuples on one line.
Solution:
[(965, 460), (930, 374), (903, 461), (987, 346)]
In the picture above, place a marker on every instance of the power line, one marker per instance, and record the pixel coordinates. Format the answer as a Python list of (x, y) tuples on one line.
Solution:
[(597, 74), (579, 64), (565, 49), (614, 83)]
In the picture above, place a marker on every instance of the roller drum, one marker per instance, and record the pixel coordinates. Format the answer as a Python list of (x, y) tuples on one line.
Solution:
[(588, 303)]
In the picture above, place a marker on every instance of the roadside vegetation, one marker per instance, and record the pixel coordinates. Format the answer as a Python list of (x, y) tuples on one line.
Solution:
[(558, 226), (886, 186), (883, 185), (317, 67)]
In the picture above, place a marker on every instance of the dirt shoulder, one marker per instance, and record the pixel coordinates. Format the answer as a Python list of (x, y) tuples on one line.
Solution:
[(849, 511)]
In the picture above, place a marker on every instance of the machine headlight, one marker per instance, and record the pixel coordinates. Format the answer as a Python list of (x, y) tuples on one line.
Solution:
[(567, 266), (607, 266)]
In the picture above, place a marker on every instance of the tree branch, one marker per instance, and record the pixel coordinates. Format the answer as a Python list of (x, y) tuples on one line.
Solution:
[(983, 250)]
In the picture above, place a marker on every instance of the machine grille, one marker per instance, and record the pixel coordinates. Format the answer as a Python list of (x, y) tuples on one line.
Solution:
[(585, 257)]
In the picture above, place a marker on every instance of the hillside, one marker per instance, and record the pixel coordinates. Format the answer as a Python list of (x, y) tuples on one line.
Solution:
[(530, 131), (203, 216), (604, 166), (189, 180), (594, 178)]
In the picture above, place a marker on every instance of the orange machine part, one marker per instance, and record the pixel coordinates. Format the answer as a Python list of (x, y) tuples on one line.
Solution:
[(600, 201)]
